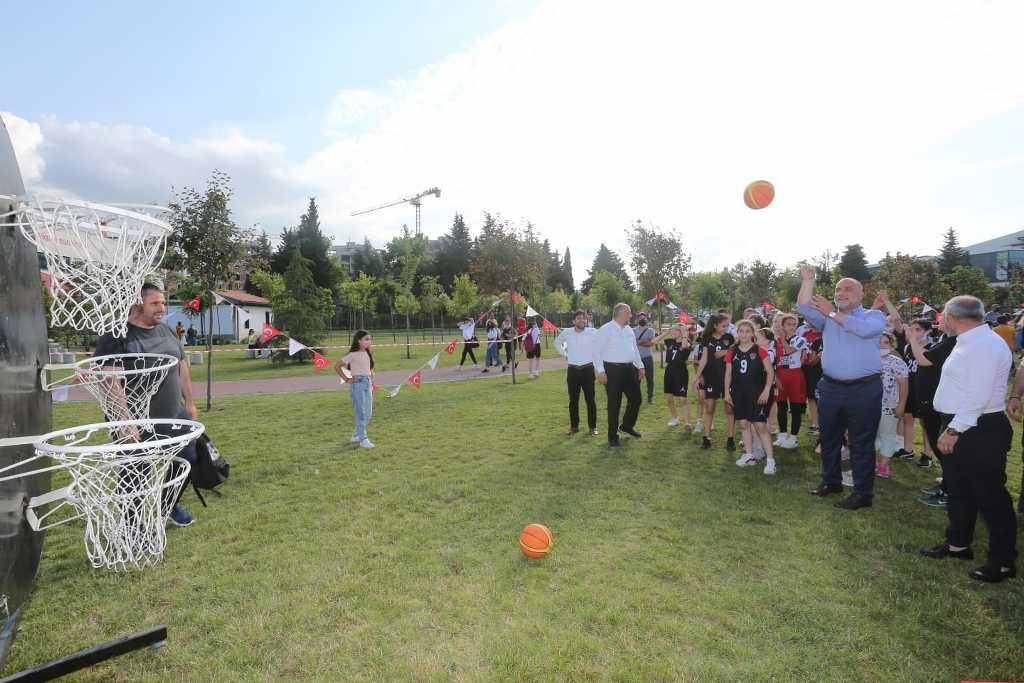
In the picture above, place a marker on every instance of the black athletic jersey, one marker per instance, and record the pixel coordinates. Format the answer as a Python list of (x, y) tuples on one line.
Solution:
[(928, 376), (675, 354), (748, 367), (911, 361), (714, 370)]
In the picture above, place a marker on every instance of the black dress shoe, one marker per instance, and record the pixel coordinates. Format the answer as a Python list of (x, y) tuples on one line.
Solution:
[(853, 502), (942, 551), (614, 444), (632, 432), (730, 444), (993, 573), (826, 489)]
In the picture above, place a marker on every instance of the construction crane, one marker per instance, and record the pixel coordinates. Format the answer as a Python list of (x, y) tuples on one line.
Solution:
[(415, 200)]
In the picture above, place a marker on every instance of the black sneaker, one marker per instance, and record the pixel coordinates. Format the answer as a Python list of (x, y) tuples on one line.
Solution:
[(924, 461), (706, 443), (730, 444), (904, 454), (931, 493)]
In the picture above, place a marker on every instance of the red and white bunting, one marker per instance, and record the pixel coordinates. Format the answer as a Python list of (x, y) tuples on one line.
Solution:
[(294, 347), (320, 362)]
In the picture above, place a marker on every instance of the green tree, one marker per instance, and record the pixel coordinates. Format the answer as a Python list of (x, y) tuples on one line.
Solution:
[(454, 253), (952, 254), (205, 242), (314, 247), (656, 257), (1015, 290), (854, 263), (787, 287), (903, 276), (968, 280), (260, 255), (567, 281), (302, 307), (268, 285), (606, 290), (606, 261), (430, 297), (369, 261), (357, 295), (706, 292), (757, 283), (406, 304), (465, 296)]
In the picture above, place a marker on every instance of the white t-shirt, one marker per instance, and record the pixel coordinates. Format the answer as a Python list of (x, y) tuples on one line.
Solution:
[(792, 360), (893, 369), (467, 330)]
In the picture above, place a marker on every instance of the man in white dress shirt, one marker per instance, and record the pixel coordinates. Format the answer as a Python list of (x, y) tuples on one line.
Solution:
[(975, 439), (619, 369), (576, 343)]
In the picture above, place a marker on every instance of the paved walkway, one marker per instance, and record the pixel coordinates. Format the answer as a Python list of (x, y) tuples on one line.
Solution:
[(327, 380)]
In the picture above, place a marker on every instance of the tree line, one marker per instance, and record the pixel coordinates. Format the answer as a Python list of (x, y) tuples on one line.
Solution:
[(465, 270)]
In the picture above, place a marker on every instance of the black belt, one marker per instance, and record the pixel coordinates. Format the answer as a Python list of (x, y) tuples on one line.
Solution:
[(618, 365), (851, 382), (582, 365)]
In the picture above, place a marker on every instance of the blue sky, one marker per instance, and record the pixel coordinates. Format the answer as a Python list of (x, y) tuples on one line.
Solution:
[(880, 123), (186, 68)]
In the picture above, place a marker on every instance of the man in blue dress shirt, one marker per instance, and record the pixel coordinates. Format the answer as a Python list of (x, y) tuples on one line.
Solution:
[(850, 391)]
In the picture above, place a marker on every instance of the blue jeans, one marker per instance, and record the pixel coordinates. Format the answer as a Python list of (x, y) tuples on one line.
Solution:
[(853, 408), (361, 392), (493, 355)]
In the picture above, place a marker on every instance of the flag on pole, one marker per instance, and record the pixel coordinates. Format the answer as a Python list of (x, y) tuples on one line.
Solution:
[(926, 309), (671, 306), (320, 362), (916, 299), (416, 378), (514, 297), (531, 312), (650, 302), (269, 332), (548, 326), (685, 318), (450, 349), (194, 305), (294, 347), (432, 363)]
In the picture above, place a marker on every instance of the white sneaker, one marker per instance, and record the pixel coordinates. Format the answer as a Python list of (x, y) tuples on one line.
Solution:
[(475, 366), (845, 455), (355, 439), (746, 460), (366, 443), (791, 441), (780, 440), (848, 479), (769, 467), (699, 428), (458, 368), (674, 422)]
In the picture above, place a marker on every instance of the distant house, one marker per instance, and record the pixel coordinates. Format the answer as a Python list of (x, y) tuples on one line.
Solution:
[(345, 253), (228, 325)]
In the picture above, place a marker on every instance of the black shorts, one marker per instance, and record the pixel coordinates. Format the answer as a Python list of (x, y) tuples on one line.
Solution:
[(534, 352), (812, 375), (745, 405), (714, 388), (676, 379)]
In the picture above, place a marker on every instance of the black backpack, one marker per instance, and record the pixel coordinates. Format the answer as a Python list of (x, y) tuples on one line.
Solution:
[(211, 469)]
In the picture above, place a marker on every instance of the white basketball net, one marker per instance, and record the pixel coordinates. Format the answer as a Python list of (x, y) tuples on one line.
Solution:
[(124, 486), (124, 384), (98, 257)]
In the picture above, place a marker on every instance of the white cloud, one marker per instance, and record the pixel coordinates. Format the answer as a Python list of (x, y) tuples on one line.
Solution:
[(585, 116), (26, 137)]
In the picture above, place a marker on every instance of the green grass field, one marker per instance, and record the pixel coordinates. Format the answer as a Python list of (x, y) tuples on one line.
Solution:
[(326, 562)]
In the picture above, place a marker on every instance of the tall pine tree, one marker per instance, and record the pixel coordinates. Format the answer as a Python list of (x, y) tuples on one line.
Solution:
[(854, 263), (453, 256), (313, 245), (567, 281), (952, 254), (606, 261)]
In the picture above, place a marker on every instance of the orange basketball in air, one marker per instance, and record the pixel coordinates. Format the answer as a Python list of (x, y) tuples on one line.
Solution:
[(759, 194), (535, 541)]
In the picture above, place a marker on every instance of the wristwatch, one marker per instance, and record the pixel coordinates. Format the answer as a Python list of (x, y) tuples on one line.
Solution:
[(952, 432)]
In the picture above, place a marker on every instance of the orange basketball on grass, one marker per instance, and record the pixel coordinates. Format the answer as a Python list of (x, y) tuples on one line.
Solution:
[(759, 194), (535, 541)]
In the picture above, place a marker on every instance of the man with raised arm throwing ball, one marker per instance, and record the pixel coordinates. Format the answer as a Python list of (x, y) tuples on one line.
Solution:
[(850, 391)]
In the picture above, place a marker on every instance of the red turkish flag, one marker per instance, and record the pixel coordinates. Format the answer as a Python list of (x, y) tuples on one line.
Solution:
[(514, 297), (373, 390), (451, 347), (320, 362), (548, 326), (194, 304), (684, 317), (416, 379), (269, 332), (916, 299)]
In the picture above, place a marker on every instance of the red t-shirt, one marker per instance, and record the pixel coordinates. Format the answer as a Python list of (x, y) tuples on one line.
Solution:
[(521, 326)]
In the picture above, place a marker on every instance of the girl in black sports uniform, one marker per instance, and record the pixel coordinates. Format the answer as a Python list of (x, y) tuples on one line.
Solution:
[(715, 342), (748, 388), (677, 377)]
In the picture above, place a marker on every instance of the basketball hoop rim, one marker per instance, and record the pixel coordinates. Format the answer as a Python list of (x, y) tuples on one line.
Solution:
[(84, 376), (135, 212), (43, 444)]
